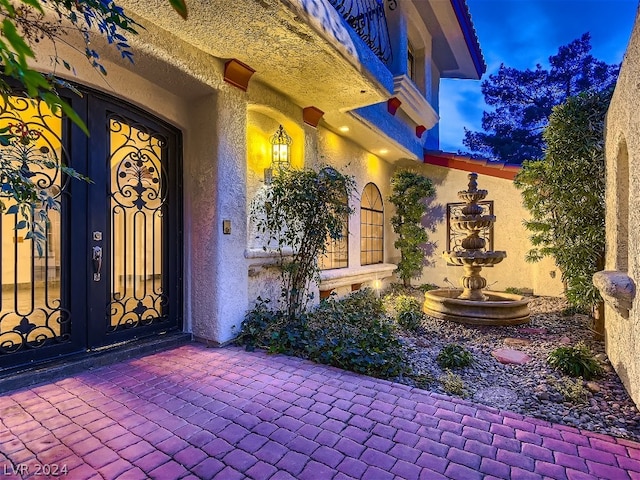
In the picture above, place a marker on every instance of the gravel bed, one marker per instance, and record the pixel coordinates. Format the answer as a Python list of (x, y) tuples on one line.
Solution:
[(534, 388)]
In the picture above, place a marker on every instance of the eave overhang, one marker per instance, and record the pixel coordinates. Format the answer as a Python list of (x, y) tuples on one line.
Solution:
[(455, 47), (468, 164), (463, 15), (301, 48)]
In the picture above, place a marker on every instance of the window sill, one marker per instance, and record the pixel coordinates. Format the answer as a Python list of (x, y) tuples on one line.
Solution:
[(330, 279)]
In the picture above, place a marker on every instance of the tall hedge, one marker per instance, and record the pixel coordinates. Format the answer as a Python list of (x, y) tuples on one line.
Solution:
[(409, 190), (565, 194)]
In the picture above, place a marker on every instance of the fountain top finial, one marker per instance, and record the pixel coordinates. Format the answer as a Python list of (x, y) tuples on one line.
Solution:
[(472, 195), (473, 182)]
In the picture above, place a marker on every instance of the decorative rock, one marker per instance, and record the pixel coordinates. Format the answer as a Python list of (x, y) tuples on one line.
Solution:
[(508, 355), (617, 289), (536, 383), (592, 387), (496, 396), (516, 342), (534, 330), (565, 341), (541, 392)]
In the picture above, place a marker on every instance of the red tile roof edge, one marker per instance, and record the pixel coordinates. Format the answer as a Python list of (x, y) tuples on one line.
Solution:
[(479, 165)]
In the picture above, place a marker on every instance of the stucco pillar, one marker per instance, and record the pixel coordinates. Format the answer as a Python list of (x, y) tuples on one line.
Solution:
[(398, 33), (218, 274), (620, 280)]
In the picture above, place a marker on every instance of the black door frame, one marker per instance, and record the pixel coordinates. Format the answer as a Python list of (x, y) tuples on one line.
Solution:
[(78, 221), (100, 110)]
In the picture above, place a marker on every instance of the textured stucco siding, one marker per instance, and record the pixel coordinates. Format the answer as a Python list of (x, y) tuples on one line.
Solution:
[(321, 147), (622, 333)]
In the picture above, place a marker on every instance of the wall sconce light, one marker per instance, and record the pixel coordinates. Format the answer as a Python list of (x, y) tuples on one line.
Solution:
[(280, 158)]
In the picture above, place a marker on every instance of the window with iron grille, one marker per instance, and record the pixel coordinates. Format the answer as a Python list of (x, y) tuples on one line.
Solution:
[(371, 226), (337, 253)]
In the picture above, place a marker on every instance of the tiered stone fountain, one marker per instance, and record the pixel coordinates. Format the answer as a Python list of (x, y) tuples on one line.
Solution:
[(471, 304)]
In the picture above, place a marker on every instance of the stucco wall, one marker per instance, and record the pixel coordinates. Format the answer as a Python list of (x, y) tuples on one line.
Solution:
[(509, 235), (622, 328), (184, 87), (311, 147)]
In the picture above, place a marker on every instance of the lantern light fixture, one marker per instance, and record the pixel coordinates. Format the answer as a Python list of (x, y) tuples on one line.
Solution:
[(280, 145), (280, 153)]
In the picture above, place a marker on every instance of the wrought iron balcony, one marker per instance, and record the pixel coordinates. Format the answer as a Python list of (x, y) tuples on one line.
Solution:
[(368, 20)]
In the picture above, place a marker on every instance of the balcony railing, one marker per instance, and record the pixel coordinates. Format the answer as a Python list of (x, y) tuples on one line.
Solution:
[(368, 20)]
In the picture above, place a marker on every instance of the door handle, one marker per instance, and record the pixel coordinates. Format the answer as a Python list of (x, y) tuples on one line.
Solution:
[(96, 257)]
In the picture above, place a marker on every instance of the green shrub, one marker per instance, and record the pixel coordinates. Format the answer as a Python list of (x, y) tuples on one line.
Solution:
[(296, 214), (355, 334), (572, 391), (406, 309), (259, 324), (560, 188), (453, 384), (351, 333), (408, 193), (422, 380), (426, 287), (513, 290), (454, 356), (573, 310), (576, 361)]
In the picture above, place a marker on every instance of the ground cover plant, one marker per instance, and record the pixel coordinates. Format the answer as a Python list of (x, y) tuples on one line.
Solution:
[(454, 355), (577, 361), (353, 333), (453, 384), (406, 309)]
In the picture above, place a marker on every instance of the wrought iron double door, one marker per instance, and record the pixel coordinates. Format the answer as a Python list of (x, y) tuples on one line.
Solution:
[(109, 266)]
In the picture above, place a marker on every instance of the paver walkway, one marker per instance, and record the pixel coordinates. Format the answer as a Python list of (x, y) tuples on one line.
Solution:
[(194, 412)]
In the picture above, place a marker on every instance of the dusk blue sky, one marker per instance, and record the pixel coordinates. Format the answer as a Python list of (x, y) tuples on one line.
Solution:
[(522, 33)]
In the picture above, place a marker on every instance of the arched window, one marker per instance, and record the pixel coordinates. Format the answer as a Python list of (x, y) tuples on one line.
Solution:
[(622, 216), (371, 226), (337, 254)]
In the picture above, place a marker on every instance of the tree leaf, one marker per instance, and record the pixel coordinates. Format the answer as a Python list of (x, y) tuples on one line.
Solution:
[(35, 4), (16, 41), (179, 6), (53, 101)]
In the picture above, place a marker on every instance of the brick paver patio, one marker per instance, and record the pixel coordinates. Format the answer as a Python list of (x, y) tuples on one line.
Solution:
[(194, 412)]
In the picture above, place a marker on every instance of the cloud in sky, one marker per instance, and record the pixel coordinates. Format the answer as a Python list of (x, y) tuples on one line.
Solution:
[(523, 33)]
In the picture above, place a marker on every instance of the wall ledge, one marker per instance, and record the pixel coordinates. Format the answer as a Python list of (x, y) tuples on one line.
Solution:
[(262, 257), (416, 106), (340, 277), (617, 289)]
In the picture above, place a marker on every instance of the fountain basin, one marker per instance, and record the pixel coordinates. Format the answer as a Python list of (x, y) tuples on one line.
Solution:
[(471, 223), (476, 259), (472, 194), (499, 308)]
